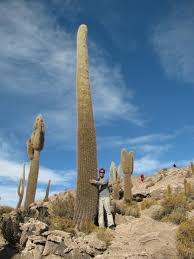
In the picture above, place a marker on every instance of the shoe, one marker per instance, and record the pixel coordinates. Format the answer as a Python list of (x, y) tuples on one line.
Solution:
[(112, 227)]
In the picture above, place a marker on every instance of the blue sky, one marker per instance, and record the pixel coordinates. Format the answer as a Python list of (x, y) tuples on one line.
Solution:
[(141, 56)]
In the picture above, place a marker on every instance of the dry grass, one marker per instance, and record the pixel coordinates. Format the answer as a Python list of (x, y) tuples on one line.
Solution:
[(63, 206), (62, 223), (105, 235), (185, 239), (174, 202), (174, 209), (147, 203), (5, 209), (175, 217), (131, 209)]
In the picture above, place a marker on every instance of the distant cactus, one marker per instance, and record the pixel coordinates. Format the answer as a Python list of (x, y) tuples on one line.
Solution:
[(187, 188), (192, 168), (127, 166), (21, 186), (169, 190), (111, 172), (86, 194), (34, 146), (115, 180), (46, 198)]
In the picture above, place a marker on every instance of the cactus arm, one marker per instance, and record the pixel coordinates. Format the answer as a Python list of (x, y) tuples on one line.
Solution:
[(102, 182), (131, 161), (21, 186), (119, 171)]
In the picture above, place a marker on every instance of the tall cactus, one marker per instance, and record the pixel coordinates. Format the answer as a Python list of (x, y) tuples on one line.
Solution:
[(86, 194), (127, 166), (21, 186), (34, 146), (46, 198)]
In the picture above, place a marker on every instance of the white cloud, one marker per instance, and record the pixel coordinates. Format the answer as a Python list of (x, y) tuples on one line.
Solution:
[(173, 40), (9, 196), (11, 171), (140, 141), (38, 62)]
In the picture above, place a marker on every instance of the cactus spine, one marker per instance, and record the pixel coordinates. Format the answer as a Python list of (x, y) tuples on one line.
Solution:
[(21, 185), (34, 146), (86, 194), (46, 198), (127, 167)]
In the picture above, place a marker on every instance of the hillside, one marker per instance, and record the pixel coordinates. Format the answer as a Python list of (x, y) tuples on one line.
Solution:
[(46, 229)]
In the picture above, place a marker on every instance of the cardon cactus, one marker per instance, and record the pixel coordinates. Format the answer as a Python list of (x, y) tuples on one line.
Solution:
[(21, 186), (127, 166), (115, 180), (192, 168), (86, 194), (34, 146), (46, 198)]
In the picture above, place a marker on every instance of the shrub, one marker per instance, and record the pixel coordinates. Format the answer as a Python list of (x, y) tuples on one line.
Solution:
[(63, 206), (62, 223), (185, 239), (105, 235), (132, 210), (175, 217), (147, 203), (175, 202), (88, 227), (5, 209)]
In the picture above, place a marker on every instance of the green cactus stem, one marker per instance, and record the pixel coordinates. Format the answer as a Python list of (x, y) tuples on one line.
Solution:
[(86, 193)]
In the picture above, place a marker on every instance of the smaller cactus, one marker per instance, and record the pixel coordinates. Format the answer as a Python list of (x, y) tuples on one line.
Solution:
[(46, 198), (115, 180), (127, 166), (192, 168), (169, 190), (187, 188), (21, 186), (111, 172)]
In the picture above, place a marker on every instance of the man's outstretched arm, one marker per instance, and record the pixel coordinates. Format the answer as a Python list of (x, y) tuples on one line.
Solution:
[(102, 182)]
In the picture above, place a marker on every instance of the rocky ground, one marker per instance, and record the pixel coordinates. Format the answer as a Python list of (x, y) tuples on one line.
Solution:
[(136, 238)]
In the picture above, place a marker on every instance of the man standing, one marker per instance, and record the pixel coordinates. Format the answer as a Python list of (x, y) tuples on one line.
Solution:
[(104, 200)]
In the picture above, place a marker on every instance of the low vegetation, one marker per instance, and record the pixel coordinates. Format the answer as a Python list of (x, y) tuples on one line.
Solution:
[(61, 213), (185, 239), (147, 203), (105, 235)]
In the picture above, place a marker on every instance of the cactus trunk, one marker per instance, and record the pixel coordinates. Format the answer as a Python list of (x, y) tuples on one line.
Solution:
[(86, 194), (32, 179), (127, 166), (34, 146), (127, 187)]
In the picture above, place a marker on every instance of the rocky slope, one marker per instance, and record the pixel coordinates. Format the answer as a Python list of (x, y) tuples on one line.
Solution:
[(136, 238)]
